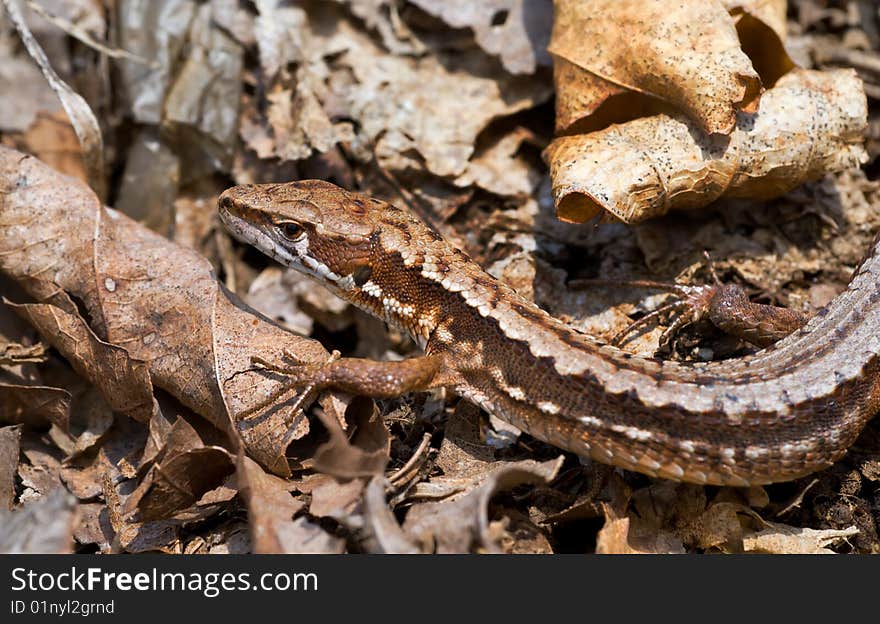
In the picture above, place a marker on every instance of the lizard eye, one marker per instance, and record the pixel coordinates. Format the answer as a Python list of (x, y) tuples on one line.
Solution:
[(291, 230)]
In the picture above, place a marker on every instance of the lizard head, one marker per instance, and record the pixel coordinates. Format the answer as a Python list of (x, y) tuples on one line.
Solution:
[(311, 225)]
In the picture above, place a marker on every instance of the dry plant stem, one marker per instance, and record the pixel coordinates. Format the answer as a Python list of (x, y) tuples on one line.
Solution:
[(775, 415), (410, 468)]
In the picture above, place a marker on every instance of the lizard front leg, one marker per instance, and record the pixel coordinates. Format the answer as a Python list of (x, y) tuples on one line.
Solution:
[(372, 378)]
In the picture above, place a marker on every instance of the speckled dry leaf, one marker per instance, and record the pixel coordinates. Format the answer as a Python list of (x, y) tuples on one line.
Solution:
[(784, 539), (516, 31), (686, 53), (761, 27), (159, 301), (43, 526), (9, 445), (809, 124), (271, 509), (462, 525)]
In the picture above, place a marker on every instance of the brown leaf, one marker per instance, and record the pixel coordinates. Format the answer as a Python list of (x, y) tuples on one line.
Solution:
[(384, 534), (123, 382), (686, 53), (183, 471), (365, 454), (44, 526), (159, 301), (78, 111), (271, 509), (36, 406), (9, 445), (810, 123)]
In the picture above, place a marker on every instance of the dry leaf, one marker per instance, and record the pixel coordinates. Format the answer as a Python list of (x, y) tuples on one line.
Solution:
[(123, 382), (810, 123), (159, 301), (78, 111), (784, 539), (383, 533), (686, 53), (183, 470), (271, 509), (517, 31)]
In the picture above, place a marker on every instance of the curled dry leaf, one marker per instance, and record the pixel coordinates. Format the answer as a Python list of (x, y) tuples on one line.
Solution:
[(514, 30), (384, 534), (809, 124), (44, 526), (34, 405), (159, 301), (363, 455), (685, 53)]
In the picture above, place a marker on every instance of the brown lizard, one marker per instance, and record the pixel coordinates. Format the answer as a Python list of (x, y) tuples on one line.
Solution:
[(781, 413)]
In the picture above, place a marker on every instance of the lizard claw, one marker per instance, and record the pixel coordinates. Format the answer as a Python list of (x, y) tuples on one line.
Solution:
[(304, 378)]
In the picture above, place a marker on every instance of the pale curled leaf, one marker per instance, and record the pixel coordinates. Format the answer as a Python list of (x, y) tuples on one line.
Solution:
[(686, 53), (809, 124), (784, 539), (462, 525)]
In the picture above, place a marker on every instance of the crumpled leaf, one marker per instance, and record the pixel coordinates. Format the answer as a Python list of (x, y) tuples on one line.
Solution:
[(44, 526), (384, 533), (183, 470), (158, 300), (685, 53), (499, 167), (517, 31), (271, 509), (810, 123)]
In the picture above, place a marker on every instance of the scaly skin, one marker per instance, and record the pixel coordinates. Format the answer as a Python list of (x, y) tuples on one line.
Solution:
[(776, 415)]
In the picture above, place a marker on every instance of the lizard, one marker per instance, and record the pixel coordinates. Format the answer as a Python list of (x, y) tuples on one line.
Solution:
[(781, 413)]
